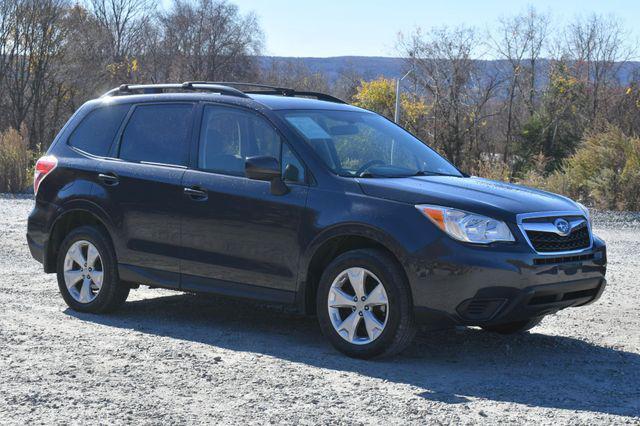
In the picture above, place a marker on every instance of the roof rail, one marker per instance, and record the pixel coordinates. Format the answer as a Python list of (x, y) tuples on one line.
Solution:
[(222, 87), (129, 89), (274, 90)]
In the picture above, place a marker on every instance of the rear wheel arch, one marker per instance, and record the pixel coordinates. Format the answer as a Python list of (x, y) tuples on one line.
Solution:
[(324, 250), (63, 225)]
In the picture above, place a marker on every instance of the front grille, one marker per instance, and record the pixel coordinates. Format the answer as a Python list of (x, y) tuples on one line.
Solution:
[(552, 242)]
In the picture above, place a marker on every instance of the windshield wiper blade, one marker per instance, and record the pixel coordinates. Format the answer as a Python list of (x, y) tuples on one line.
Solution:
[(430, 173)]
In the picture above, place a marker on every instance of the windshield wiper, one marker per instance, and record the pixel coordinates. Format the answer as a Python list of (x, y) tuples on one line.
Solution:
[(430, 173)]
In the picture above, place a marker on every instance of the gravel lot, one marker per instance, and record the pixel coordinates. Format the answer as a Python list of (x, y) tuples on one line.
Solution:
[(168, 357)]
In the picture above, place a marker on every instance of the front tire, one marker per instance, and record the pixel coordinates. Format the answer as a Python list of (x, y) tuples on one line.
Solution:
[(87, 272), (364, 305)]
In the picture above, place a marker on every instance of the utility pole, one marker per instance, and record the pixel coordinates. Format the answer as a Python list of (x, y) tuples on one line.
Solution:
[(396, 115)]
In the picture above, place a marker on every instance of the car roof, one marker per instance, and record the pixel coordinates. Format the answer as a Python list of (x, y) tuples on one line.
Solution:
[(256, 101)]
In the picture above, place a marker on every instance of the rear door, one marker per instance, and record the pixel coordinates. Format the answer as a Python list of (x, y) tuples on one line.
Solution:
[(238, 238), (143, 188)]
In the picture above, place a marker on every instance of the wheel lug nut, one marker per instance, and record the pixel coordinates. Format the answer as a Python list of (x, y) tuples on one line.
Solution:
[(353, 308), (360, 313), (366, 308), (363, 298), (355, 299)]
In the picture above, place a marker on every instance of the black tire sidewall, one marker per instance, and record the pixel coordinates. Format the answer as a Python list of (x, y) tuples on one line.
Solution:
[(387, 272), (110, 277)]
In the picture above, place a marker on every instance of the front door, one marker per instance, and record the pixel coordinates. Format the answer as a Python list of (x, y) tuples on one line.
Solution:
[(237, 237)]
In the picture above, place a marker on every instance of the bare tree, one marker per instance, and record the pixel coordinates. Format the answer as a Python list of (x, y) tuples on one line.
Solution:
[(519, 41), (36, 38), (123, 21), (7, 25), (596, 47), (454, 85), (211, 40), (537, 28)]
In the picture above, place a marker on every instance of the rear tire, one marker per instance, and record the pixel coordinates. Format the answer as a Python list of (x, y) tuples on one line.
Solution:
[(379, 321), (87, 272), (513, 327)]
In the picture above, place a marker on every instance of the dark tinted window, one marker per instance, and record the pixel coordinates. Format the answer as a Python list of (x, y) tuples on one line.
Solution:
[(157, 134), (97, 130), (229, 135)]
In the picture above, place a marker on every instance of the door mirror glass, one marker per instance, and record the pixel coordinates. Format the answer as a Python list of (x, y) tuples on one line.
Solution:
[(262, 168), (266, 168)]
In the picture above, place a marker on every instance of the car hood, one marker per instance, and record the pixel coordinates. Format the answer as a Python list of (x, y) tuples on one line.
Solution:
[(497, 199)]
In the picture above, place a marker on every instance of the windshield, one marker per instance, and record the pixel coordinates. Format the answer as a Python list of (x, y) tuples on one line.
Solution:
[(363, 144)]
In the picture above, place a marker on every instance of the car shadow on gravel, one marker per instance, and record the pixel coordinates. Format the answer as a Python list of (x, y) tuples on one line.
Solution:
[(452, 367)]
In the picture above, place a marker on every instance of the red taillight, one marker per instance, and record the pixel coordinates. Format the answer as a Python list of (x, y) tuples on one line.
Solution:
[(44, 166)]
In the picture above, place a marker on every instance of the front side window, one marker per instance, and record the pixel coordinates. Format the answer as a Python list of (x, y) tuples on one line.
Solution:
[(96, 132), (292, 168), (228, 136), (157, 134), (364, 144)]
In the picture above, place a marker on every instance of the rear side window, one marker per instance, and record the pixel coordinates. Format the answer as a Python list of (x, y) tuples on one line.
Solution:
[(157, 134), (97, 130)]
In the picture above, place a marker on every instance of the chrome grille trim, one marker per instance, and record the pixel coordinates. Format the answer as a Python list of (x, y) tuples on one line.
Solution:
[(542, 227)]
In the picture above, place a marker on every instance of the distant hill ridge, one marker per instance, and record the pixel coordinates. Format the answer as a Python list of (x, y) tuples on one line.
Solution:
[(371, 67)]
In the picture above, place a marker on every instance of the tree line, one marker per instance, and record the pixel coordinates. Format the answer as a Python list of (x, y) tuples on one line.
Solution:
[(520, 116)]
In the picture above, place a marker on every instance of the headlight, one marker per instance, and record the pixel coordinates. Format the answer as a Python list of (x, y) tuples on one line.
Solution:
[(465, 226)]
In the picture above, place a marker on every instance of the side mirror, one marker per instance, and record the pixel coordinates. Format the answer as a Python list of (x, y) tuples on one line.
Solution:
[(266, 168)]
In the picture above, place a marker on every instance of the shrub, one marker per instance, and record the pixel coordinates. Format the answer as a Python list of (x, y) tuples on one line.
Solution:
[(490, 167), (15, 160), (603, 172)]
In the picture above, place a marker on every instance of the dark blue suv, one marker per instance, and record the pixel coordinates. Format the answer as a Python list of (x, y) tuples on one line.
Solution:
[(298, 198)]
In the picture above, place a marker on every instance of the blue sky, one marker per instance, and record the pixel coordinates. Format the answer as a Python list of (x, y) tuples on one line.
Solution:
[(324, 28)]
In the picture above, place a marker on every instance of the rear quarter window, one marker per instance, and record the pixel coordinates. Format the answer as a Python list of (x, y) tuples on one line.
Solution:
[(96, 132)]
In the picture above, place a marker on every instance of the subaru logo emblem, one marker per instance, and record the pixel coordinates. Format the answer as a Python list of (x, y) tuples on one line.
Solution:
[(562, 226)]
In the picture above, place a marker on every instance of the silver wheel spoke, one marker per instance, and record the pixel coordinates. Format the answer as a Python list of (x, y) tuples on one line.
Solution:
[(373, 326), (349, 326), (85, 291), (340, 299), (71, 278), (92, 256), (96, 277), (377, 296), (356, 278), (75, 253)]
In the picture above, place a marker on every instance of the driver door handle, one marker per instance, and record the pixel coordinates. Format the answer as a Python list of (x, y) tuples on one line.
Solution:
[(109, 178), (195, 193)]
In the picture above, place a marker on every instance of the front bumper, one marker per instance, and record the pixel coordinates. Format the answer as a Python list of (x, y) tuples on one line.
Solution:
[(466, 285)]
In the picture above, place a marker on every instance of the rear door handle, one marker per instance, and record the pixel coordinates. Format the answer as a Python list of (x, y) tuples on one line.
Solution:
[(109, 178), (196, 194)]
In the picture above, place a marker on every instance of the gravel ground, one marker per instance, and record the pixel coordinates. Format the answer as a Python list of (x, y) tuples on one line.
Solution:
[(169, 357)]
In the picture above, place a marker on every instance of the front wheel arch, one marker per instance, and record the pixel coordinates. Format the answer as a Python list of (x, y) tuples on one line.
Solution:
[(325, 250)]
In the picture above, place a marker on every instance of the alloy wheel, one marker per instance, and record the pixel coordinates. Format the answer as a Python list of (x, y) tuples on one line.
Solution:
[(358, 306), (83, 271)]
